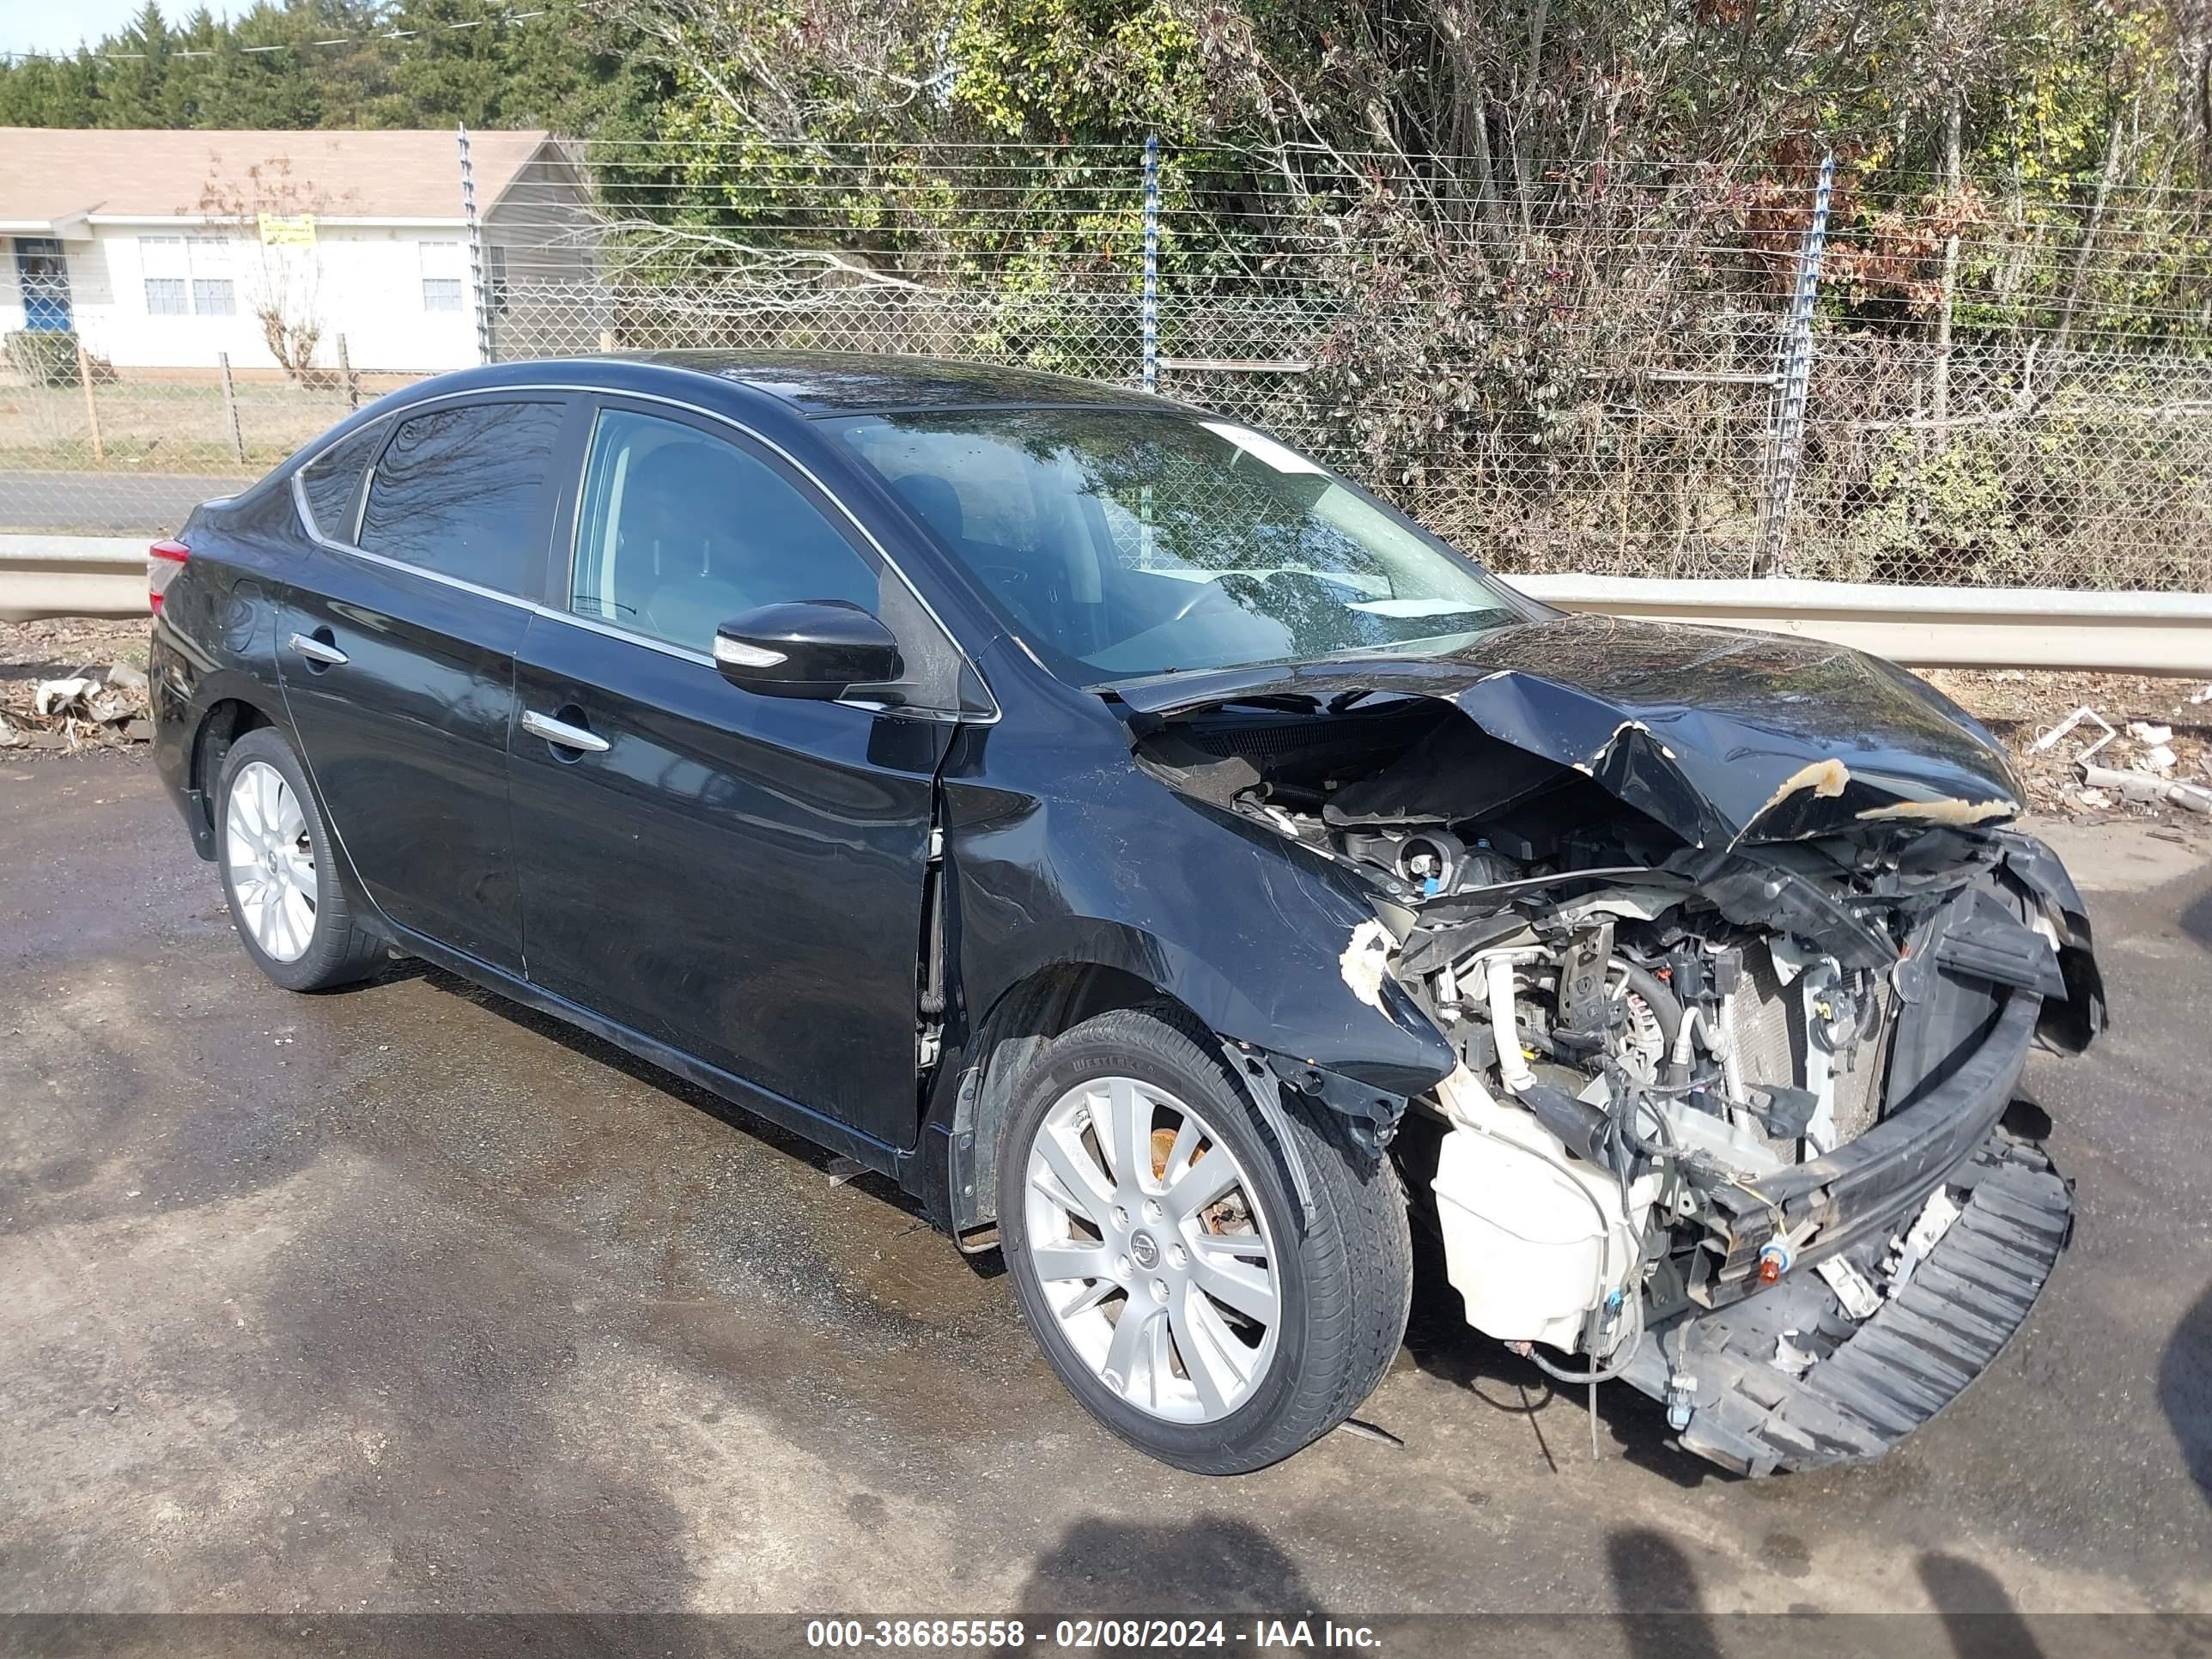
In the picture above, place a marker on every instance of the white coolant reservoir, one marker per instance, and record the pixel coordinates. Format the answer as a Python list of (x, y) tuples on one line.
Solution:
[(1534, 1237)]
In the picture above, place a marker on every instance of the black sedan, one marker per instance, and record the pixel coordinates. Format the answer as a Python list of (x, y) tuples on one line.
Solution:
[(1174, 867)]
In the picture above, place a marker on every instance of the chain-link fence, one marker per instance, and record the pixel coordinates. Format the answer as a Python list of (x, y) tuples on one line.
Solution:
[(1589, 373)]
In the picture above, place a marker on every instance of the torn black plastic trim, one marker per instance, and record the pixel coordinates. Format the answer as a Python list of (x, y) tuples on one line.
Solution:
[(2069, 1022), (1372, 1115), (1876, 1381)]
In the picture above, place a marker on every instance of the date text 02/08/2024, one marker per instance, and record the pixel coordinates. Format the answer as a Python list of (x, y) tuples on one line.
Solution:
[(1002, 1634)]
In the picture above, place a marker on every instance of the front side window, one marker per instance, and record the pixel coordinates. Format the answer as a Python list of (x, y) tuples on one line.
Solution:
[(678, 531), (461, 491), (1120, 543)]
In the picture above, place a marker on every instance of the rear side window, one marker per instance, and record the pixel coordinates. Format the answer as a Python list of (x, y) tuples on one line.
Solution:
[(462, 491), (331, 482)]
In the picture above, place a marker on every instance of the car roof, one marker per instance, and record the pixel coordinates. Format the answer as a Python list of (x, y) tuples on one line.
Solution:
[(821, 383)]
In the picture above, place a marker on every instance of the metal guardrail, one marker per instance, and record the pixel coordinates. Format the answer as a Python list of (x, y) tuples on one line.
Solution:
[(1928, 627), (72, 576)]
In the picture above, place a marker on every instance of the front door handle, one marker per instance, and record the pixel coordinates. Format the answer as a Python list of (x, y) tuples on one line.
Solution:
[(561, 733), (319, 651)]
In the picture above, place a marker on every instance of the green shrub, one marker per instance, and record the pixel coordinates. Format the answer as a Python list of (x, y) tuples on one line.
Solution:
[(43, 356)]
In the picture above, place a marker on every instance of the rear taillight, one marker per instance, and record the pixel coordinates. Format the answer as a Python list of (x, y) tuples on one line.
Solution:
[(163, 561)]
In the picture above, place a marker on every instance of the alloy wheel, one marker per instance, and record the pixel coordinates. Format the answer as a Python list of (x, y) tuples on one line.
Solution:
[(1151, 1249), (271, 860)]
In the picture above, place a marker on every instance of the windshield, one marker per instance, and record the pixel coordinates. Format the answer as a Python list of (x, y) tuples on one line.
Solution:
[(1119, 544)]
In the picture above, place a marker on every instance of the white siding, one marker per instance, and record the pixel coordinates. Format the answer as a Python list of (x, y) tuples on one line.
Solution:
[(11, 296), (363, 282)]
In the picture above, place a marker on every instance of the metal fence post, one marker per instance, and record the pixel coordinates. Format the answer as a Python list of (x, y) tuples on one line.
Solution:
[(1151, 340), (230, 407), (1786, 430), (476, 250)]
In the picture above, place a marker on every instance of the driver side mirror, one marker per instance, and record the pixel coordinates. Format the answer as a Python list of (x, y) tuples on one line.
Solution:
[(818, 648)]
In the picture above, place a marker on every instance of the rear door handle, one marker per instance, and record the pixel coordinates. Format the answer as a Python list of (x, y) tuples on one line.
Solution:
[(561, 733), (315, 650)]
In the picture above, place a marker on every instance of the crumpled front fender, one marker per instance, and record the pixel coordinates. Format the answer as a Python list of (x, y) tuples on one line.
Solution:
[(1253, 934)]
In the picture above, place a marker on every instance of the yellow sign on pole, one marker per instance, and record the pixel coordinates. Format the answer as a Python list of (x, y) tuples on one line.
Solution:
[(288, 230)]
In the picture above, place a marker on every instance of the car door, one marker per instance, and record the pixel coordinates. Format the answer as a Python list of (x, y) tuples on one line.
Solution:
[(738, 876), (396, 650)]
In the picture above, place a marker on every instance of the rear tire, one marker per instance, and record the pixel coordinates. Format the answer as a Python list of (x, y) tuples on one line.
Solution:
[(1263, 1322), (280, 872)]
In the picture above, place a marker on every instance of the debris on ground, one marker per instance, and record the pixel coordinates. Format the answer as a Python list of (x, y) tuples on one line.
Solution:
[(2097, 747), (2059, 730), (2146, 789), (72, 684)]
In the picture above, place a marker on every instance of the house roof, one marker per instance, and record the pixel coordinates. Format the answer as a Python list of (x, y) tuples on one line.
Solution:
[(52, 176)]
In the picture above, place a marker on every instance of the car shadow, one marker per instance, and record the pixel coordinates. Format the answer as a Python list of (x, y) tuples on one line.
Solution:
[(1657, 1597), (1631, 1425), (1664, 1612), (2185, 1390), (1441, 1342), (2196, 919), (1211, 1566), (1977, 1615)]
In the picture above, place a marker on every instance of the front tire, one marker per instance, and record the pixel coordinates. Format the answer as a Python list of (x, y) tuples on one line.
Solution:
[(280, 872), (1164, 1261)]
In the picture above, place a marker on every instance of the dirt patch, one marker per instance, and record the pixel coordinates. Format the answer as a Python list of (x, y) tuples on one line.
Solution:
[(109, 653), (2020, 705)]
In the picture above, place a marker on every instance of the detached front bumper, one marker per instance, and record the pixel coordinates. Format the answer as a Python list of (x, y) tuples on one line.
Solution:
[(1872, 1382)]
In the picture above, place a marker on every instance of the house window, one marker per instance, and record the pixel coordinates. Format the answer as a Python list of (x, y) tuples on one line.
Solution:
[(441, 276), (213, 292), (188, 275)]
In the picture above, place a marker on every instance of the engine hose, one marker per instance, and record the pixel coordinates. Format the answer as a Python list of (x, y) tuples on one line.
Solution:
[(1667, 1012), (1632, 1339), (1666, 1007)]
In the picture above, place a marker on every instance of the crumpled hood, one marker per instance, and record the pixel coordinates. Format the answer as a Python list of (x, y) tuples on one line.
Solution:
[(1721, 735)]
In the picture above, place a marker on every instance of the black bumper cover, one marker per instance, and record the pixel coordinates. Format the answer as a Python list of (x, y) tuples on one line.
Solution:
[(1879, 1379)]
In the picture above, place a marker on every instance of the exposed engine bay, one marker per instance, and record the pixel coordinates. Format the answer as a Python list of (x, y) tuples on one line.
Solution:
[(1706, 1041)]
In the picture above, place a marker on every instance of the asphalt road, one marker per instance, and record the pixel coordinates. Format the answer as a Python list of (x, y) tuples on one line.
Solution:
[(106, 503), (403, 1299)]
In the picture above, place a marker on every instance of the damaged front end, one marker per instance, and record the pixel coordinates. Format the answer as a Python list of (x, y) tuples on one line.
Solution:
[(1741, 968)]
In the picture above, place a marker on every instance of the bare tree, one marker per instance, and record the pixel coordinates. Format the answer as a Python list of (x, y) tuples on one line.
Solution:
[(276, 213)]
